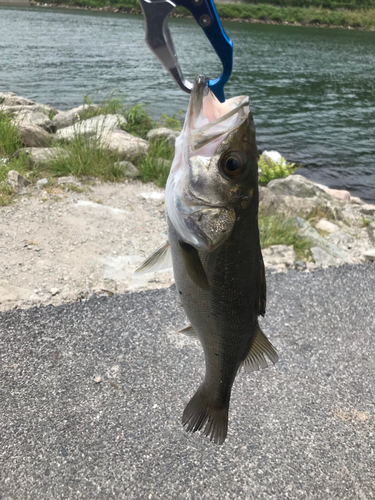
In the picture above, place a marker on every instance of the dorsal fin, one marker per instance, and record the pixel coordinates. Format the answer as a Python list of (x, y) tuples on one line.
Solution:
[(260, 347), (157, 261)]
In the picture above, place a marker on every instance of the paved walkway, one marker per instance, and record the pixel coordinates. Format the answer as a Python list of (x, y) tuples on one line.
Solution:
[(302, 430)]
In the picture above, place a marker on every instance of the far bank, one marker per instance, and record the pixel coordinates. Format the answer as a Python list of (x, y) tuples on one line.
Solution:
[(289, 13)]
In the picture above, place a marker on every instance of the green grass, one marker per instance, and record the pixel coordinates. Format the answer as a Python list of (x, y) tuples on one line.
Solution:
[(275, 230), (9, 138), (139, 121), (83, 156), (152, 167)]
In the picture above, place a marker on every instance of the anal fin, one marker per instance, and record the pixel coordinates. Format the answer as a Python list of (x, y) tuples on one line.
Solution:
[(260, 348), (157, 261)]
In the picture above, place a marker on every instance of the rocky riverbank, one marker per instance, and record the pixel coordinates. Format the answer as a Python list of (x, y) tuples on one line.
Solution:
[(66, 238)]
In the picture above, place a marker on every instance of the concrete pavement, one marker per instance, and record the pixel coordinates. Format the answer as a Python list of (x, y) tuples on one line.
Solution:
[(301, 430)]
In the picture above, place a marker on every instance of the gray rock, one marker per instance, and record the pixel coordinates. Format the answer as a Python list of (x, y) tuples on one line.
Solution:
[(305, 207), (92, 127), (337, 194), (163, 133), (308, 233), (341, 238), (34, 117), (269, 203), (368, 209), (323, 258), (69, 179), (16, 181), (371, 232), (129, 169), (299, 265), (40, 157), (338, 253), (11, 99), (369, 255), (126, 145), (68, 118), (279, 256), (41, 183), (16, 108), (326, 225), (33, 135), (296, 185)]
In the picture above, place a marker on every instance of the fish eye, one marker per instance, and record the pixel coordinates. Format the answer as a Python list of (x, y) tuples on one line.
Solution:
[(233, 164)]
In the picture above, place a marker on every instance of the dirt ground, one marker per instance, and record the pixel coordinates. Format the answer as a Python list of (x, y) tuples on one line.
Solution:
[(62, 245)]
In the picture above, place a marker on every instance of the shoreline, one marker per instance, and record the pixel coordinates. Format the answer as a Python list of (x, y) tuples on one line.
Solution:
[(133, 11)]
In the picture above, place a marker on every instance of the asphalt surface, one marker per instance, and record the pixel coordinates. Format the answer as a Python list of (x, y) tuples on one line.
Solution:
[(301, 430)]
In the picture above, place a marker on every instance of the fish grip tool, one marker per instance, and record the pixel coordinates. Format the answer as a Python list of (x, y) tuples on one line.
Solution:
[(159, 39)]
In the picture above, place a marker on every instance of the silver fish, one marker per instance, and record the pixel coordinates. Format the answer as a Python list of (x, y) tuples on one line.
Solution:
[(213, 236)]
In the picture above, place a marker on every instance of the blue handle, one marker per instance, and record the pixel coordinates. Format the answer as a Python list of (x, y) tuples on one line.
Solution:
[(205, 13)]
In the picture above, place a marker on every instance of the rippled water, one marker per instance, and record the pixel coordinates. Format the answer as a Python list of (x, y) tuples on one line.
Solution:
[(312, 90)]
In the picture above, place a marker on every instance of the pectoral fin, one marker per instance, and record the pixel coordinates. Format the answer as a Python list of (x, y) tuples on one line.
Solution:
[(193, 265), (260, 347), (189, 331), (158, 261)]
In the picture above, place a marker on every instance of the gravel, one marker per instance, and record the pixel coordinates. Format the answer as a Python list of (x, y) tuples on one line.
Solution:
[(92, 393)]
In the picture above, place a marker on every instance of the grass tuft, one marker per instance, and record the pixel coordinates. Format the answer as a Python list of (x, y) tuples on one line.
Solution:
[(9, 138), (84, 156), (157, 163), (275, 230)]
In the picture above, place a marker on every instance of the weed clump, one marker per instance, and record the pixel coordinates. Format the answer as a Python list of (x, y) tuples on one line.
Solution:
[(274, 170)]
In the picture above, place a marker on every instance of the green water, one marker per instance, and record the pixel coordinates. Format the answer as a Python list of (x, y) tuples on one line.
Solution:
[(312, 90)]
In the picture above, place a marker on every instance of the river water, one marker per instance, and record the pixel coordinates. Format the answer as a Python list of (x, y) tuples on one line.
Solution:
[(312, 90)]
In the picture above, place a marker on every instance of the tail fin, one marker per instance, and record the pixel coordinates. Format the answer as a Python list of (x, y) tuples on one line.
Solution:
[(199, 413)]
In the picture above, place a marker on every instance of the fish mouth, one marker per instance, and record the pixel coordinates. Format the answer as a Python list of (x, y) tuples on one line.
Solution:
[(209, 119)]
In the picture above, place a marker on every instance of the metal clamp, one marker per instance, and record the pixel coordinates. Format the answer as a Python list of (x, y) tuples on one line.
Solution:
[(159, 40)]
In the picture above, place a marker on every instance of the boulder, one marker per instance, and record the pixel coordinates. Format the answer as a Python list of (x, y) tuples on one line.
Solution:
[(269, 203), (329, 256), (33, 135), (165, 133), (327, 226), (126, 145), (368, 209), (274, 156), (34, 118), (279, 257), (297, 185), (40, 157), (68, 118), (322, 258), (91, 127), (16, 181), (11, 99), (337, 194), (16, 108), (129, 169), (307, 207)]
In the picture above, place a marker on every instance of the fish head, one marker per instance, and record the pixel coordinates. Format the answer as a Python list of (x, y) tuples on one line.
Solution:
[(214, 174)]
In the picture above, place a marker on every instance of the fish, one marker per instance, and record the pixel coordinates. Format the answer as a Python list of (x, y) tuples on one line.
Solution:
[(213, 242)]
